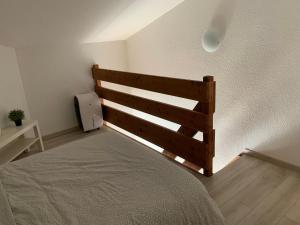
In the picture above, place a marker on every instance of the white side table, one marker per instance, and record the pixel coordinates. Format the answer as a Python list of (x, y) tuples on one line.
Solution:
[(13, 141)]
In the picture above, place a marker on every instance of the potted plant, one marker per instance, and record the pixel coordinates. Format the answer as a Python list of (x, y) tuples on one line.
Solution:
[(17, 116)]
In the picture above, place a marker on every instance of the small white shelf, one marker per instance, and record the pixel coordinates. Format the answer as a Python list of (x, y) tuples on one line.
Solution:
[(14, 149), (13, 141)]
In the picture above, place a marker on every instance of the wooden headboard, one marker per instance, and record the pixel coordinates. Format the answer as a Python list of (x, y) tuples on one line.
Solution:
[(180, 143)]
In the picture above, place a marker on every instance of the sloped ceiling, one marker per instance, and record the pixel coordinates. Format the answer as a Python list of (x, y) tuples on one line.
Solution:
[(40, 22), (133, 19)]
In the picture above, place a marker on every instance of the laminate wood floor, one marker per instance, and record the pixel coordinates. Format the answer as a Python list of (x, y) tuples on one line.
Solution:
[(249, 191)]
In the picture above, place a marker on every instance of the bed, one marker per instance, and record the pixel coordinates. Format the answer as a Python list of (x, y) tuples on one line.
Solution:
[(111, 180)]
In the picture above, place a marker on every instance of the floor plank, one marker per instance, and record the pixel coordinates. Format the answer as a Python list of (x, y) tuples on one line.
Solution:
[(274, 206), (286, 221), (234, 211), (237, 183), (294, 212)]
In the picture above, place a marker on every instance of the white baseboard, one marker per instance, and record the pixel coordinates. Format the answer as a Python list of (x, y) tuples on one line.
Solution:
[(271, 160), (60, 133)]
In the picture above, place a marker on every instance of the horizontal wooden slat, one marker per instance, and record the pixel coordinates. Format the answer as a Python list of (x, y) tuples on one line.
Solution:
[(185, 147), (195, 90), (206, 108), (191, 132), (189, 118)]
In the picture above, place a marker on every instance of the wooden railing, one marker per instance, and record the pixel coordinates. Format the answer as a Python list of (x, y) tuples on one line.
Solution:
[(180, 143)]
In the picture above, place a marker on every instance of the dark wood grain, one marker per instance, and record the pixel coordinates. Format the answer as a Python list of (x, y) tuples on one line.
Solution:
[(195, 90), (188, 118), (206, 108), (208, 136), (180, 143), (185, 147)]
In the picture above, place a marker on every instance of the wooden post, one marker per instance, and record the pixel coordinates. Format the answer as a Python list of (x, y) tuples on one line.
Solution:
[(94, 68), (97, 84), (209, 137)]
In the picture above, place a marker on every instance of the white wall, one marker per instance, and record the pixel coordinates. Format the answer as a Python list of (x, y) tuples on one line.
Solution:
[(53, 75), (11, 88), (256, 68)]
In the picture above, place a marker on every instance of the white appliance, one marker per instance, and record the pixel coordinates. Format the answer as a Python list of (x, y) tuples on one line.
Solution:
[(89, 111)]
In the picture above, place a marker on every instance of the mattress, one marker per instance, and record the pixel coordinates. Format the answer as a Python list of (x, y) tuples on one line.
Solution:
[(105, 179)]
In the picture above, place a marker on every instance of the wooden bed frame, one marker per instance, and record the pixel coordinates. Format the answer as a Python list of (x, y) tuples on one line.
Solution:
[(180, 143)]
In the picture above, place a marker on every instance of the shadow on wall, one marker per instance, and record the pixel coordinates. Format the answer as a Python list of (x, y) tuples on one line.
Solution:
[(220, 22), (241, 109), (256, 69), (268, 120), (288, 141)]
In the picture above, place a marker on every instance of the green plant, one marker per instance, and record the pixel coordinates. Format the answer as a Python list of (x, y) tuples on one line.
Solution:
[(16, 114)]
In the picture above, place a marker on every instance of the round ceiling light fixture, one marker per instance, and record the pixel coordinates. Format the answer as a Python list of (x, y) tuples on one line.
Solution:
[(211, 40), (217, 29)]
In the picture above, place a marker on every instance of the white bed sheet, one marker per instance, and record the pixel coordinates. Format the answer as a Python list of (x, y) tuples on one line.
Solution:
[(106, 179)]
